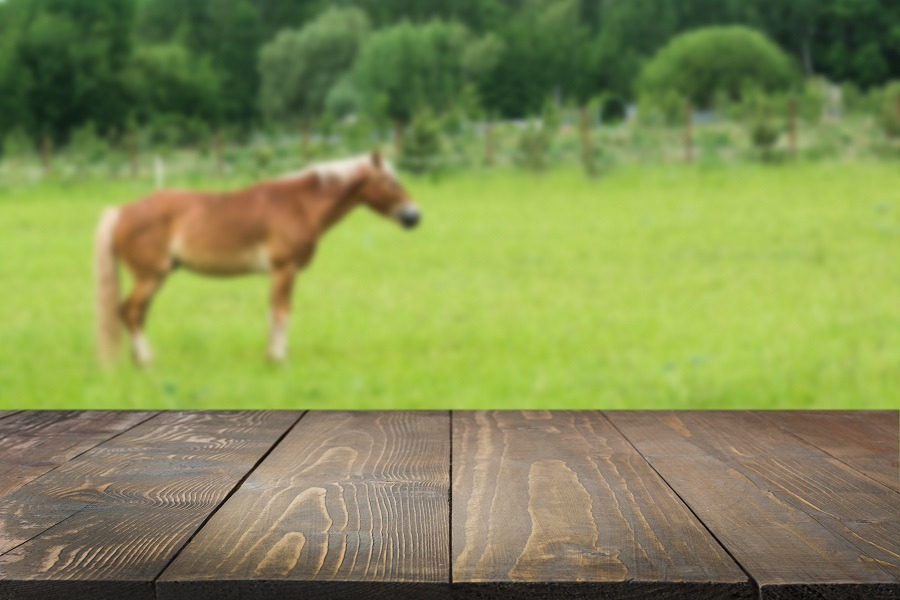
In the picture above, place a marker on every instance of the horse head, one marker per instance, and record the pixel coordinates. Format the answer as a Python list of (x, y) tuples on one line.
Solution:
[(382, 192)]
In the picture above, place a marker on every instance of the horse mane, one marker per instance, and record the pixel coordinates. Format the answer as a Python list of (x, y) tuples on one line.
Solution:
[(341, 170)]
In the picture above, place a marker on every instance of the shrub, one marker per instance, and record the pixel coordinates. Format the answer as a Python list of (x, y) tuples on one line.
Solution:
[(422, 144), (612, 110), (86, 145), (890, 110), (664, 108), (533, 147), (765, 123), (700, 63), (18, 144), (536, 140)]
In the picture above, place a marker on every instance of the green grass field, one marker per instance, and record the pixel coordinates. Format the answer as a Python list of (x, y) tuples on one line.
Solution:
[(730, 287)]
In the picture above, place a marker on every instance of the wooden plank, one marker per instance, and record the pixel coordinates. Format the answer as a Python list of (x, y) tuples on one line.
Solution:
[(108, 522), (801, 523), (33, 443), (868, 441), (349, 505), (561, 500), (7, 413)]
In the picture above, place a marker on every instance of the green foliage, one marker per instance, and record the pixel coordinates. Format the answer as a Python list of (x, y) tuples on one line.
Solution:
[(86, 145), (300, 68), (167, 131), (663, 108), (889, 116), (343, 98), (547, 52), (765, 122), (227, 32), (62, 63), (536, 139), (405, 67), (811, 100), (701, 63), (17, 144), (612, 110), (422, 144), (168, 81)]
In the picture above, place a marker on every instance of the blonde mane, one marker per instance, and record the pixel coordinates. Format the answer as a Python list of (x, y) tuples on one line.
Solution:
[(340, 170)]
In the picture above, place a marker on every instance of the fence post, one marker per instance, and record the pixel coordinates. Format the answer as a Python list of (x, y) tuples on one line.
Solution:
[(792, 124), (304, 139), (688, 132), (219, 169), (585, 134), (488, 143), (132, 152)]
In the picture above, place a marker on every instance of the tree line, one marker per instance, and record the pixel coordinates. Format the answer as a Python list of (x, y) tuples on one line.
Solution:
[(118, 64)]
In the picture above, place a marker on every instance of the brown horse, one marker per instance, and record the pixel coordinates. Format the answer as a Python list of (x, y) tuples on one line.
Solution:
[(271, 227)]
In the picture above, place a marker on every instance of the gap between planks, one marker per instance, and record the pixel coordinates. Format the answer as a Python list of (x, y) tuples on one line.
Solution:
[(230, 493), (750, 578)]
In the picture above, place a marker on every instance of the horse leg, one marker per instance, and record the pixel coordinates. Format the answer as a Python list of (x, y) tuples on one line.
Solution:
[(282, 286), (134, 313)]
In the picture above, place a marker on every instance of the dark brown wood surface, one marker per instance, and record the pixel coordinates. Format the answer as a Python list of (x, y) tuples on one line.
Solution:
[(536, 504), (349, 505), (107, 523), (33, 443), (541, 496), (801, 523), (7, 413), (868, 441)]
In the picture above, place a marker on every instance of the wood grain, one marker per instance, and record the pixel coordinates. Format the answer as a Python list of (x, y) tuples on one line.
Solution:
[(349, 505), (108, 522), (33, 443), (868, 441), (562, 497), (7, 413), (802, 523)]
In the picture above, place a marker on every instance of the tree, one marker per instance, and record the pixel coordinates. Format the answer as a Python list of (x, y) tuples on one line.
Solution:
[(697, 65), (14, 83), (65, 61), (404, 68), (548, 52), (167, 79), (300, 67), (228, 32), (477, 15)]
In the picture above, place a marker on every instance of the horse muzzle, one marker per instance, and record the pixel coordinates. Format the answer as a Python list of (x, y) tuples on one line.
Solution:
[(409, 216)]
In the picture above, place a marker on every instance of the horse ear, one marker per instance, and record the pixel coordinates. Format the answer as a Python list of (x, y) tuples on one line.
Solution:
[(376, 158)]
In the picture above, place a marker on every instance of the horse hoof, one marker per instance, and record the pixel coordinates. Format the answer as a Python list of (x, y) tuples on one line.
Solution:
[(275, 357)]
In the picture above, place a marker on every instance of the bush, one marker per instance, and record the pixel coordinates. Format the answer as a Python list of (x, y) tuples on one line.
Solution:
[(665, 108), (698, 64), (168, 131), (422, 145), (890, 110), (18, 144), (765, 123), (86, 145), (536, 140), (612, 110)]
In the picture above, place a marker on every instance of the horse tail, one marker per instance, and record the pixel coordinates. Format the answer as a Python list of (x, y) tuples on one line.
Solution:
[(106, 288)]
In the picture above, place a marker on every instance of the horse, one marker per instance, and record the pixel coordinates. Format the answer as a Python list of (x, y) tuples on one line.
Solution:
[(271, 227)]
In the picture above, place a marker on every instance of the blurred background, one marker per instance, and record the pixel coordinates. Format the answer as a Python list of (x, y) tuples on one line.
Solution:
[(628, 203)]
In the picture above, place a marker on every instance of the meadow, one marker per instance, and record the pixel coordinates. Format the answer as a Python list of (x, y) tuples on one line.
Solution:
[(725, 286)]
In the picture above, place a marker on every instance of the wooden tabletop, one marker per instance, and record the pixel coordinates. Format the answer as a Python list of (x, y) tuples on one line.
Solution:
[(494, 504)]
